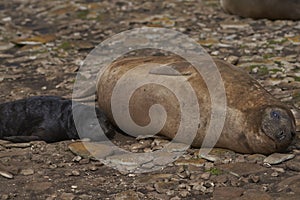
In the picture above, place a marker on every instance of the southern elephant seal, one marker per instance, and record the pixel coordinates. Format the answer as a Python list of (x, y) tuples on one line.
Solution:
[(269, 9), (255, 121), (49, 118)]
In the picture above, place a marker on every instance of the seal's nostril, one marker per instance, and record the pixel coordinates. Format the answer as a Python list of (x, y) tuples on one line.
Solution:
[(281, 135)]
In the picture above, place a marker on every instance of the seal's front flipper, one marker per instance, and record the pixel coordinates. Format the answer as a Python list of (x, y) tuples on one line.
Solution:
[(19, 139)]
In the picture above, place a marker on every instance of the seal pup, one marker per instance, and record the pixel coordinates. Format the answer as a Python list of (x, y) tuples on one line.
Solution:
[(50, 118), (269, 9), (255, 121)]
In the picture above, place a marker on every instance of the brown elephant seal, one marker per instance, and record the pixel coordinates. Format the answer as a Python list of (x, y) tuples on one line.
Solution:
[(50, 118), (269, 9), (255, 121)]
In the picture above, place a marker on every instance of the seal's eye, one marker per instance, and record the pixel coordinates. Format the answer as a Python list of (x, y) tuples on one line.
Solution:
[(275, 115)]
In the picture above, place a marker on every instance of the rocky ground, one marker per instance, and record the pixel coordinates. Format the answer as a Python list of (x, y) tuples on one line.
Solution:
[(43, 43)]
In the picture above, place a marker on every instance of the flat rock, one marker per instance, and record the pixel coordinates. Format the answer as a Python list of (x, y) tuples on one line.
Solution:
[(163, 158), (294, 165), (227, 193), (91, 149), (277, 158), (150, 179), (17, 145), (129, 194), (129, 159), (242, 169), (67, 196), (38, 186), (289, 182), (254, 194), (199, 162), (217, 154), (163, 187)]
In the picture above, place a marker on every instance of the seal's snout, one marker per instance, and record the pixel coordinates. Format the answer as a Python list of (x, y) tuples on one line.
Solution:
[(282, 134)]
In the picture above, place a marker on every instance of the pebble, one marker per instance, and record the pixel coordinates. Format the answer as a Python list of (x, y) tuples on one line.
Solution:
[(76, 158), (17, 145), (75, 172), (67, 196), (277, 158), (233, 60), (198, 162), (38, 186), (223, 193), (130, 159), (27, 172), (163, 187), (211, 158), (6, 174), (129, 194)]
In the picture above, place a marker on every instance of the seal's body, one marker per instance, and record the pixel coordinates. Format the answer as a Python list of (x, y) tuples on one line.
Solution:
[(255, 121), (48, 118), (269, 9)]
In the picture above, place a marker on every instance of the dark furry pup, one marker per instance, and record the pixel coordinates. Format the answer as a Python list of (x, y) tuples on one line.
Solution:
[(51, 119)]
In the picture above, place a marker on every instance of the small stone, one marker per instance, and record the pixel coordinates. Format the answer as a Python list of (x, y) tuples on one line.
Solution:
[(85, 197), (205, 175), (4, 197), (140, 145), (227, 193), (75, 172), (67, 196), (223, 178), (208, 166), (27, 172), (163, 187), (6, 174), (199, 187), (233, 25), (129, 159), (163, 158), (90, 149), (199, 162), (233, 59), (129, 194), (84, 161), (255, 179), (176, 147), (278, 169), (17, 145), (6, 19), (277, 158), (211, 158), (274, 174), (184, 193), (76, 158), (38, 186), (93, 168)]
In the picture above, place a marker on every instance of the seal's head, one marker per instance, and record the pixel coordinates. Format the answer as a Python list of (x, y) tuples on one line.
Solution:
[(279, 125)]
